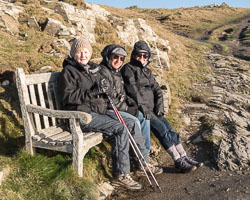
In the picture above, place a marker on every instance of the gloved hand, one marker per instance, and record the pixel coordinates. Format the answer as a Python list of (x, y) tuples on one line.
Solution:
[(147, 114), (150, 115), (104, 87), (160, 114), (145, 111), (95, 91), (133, 110)]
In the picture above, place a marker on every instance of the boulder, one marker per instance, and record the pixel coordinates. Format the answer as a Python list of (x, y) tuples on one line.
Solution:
[(32, 23), (9, 14)]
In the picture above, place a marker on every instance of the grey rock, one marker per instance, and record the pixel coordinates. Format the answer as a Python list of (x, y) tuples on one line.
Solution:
[(105, 190), (32, 23)]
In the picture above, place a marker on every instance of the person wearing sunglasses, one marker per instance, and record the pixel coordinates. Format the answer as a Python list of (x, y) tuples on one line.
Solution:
[(113, 59), (142, 87)]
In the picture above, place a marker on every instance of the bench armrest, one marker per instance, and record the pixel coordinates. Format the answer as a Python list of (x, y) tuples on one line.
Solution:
[(63, 114)]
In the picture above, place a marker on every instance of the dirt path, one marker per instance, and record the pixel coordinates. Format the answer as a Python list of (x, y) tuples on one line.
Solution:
[(204, 183), (237, 48)]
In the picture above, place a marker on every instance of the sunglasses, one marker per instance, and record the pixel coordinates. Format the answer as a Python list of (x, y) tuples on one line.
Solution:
[(116, 57), (144, 55)]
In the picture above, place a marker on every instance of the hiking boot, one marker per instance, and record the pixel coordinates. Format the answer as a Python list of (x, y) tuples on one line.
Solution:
[(153, 162), (154, 170), (192, 161), (126, 181), (184, 166)]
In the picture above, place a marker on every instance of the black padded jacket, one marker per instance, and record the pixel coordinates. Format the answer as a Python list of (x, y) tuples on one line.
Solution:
[(77, 87), (141, 85)]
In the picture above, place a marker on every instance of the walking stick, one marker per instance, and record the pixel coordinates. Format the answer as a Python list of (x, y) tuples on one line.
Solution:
[(134, 145)]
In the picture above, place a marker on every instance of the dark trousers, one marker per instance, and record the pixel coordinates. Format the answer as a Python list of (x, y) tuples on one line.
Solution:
[(135, 130), (164, 132), (114, 130)]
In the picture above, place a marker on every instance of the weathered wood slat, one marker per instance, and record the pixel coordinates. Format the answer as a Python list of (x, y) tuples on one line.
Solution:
[(64, 148), (42, 102), (50, 132), (34, 101), (85, 117), (64, 135), (88, 134), (59, 135), (50, 100), (52, 129), (66, 138), (41, 78), (92, 140)]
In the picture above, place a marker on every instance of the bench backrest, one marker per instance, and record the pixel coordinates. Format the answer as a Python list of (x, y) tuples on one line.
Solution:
[(41, 90)]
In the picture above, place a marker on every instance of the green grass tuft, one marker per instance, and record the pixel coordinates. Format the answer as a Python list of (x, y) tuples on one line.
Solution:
[(39, 177)]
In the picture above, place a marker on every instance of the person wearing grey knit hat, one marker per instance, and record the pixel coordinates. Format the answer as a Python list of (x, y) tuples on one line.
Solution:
[(81, 50)]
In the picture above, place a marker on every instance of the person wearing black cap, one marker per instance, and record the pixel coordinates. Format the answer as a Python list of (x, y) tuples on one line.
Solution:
[(113, 59), (141, 85), (80, 88)]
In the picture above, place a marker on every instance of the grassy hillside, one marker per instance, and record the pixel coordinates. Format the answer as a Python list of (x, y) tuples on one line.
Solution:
[(49, 175)]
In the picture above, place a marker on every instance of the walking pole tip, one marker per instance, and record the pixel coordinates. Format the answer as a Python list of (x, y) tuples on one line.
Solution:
[(160, 189)]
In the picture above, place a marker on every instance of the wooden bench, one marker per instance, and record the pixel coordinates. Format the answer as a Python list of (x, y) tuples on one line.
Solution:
[(48, 127)]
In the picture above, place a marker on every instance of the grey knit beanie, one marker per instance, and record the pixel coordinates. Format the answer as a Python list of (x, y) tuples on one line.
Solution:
[(78, 44)]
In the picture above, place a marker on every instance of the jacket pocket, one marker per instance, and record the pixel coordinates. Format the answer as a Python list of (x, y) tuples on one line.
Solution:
[(143, 82)]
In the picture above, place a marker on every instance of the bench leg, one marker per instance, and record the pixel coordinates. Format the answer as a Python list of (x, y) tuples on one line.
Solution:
[(78, 162), (78, 152), (29, 147)]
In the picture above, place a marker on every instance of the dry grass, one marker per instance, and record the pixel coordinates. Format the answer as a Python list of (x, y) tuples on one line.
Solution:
[(195, 21)]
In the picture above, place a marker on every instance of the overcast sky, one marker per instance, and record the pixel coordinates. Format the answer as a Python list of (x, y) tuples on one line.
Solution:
[(169, 3)]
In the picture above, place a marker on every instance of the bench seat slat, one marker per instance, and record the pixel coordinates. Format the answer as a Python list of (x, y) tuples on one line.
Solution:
[(50, 131), (60, 135)]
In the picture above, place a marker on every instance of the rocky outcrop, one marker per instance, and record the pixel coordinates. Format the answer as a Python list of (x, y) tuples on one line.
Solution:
[(227, 113), (9, 14), (132, 30)]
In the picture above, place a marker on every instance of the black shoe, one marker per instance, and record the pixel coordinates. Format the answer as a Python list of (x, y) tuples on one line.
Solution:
[(184, 166), (192, 161)]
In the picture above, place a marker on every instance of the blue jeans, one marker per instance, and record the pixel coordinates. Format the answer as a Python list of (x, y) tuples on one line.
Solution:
[(144, 124), (164, 132), (114, 130)]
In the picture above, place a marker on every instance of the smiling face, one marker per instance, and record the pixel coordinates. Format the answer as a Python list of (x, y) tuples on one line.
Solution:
[(117, 60), (82, 56), (142, 57)]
